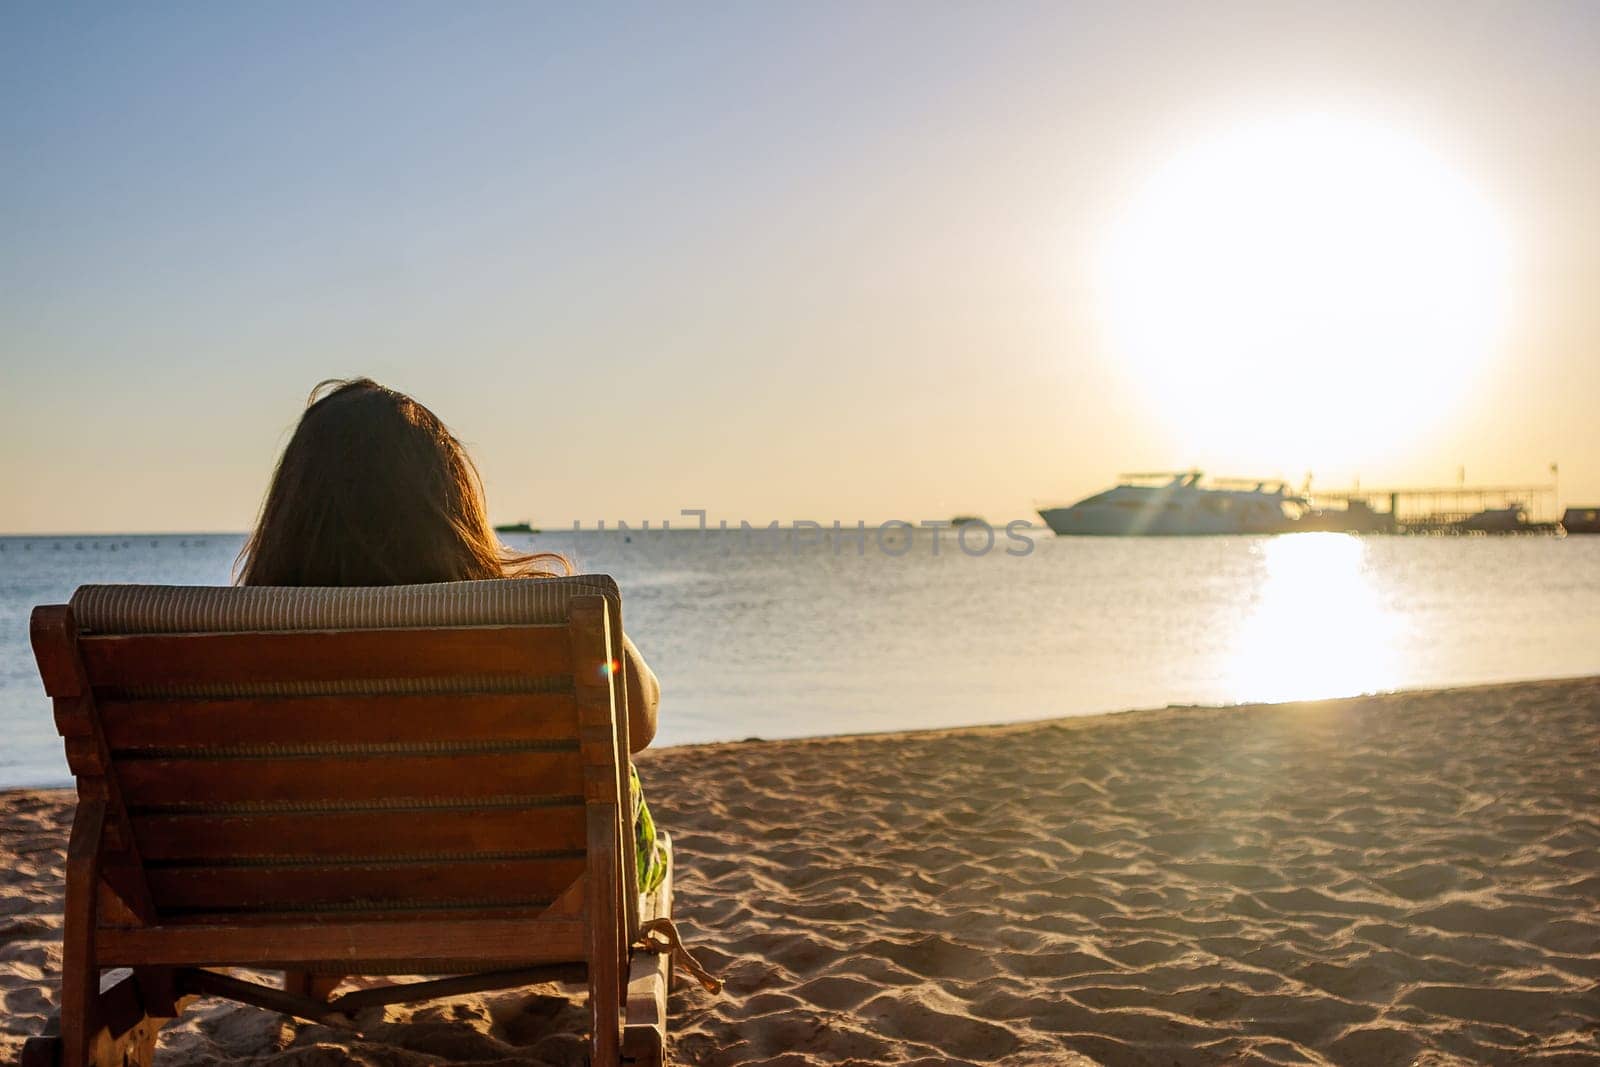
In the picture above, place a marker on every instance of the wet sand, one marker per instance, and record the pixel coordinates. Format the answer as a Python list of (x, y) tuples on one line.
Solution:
[(1399, 879)]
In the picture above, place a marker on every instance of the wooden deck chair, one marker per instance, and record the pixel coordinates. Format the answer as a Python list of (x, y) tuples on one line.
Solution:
[(426, 779)]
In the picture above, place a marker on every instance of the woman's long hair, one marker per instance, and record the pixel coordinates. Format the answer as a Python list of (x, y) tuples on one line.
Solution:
[(374, 490)]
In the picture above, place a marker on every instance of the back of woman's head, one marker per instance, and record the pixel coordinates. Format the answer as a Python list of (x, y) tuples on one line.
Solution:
[(373, 489)]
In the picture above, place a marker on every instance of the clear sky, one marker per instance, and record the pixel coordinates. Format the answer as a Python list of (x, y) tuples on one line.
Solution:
[(826, 261)]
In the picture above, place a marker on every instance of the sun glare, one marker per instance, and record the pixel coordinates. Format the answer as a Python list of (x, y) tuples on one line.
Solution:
[(1281, 285), (1317, 627)]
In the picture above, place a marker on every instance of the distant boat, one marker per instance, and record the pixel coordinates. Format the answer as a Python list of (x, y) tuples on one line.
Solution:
[(1176, 505), (516, 527), (1581, 520), (1495, 520), (1357, 516), (965, 520)]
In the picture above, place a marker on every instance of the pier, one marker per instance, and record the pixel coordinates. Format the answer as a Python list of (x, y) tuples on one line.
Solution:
[(1453, 509)]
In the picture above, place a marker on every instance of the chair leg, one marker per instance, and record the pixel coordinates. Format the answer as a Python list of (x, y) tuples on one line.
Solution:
[(80, 977), (605, 1007), (79, 1021), (99, 1028), (120, 1032), (605, 949)]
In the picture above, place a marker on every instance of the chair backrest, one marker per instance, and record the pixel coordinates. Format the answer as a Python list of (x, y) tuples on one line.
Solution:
[(288, 758)]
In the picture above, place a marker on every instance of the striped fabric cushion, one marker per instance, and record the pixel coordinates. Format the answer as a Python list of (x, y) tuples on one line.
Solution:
[(163, 609)]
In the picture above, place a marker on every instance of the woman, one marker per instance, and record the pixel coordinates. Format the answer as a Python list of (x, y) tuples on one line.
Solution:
[(373, 489)]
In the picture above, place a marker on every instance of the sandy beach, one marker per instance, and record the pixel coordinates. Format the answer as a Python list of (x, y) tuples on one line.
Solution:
[(1404, 879)]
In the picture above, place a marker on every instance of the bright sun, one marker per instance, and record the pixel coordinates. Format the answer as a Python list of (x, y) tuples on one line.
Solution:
[(1299, 287)]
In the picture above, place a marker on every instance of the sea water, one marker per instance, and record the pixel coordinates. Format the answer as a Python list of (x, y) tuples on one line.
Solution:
[(793, 633)]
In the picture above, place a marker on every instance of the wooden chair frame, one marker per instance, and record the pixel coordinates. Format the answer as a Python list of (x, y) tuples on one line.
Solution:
[(131, 961)]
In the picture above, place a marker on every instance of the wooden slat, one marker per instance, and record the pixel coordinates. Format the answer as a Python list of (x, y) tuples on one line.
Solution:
[(282, 888), (162, 782), (323, 656), (281, 945), (166, 724), (360, 833)]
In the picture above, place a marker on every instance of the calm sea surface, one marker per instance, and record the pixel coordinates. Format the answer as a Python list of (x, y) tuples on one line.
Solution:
[(771, 635)]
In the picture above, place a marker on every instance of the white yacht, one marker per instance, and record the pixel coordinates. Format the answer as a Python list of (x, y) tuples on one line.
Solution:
[(1175, 505)]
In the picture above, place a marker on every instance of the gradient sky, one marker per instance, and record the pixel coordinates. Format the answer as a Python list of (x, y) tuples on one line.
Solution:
[(826, 261)]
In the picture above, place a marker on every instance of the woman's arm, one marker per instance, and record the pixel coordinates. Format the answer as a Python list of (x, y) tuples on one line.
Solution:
[(644, 696)]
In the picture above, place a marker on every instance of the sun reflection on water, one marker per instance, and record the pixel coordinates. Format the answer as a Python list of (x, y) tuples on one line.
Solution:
[(1318, 627)]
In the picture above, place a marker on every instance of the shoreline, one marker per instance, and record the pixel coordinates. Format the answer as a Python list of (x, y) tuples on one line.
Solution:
[(1395, 878), (1118, 713), (66, 784)]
